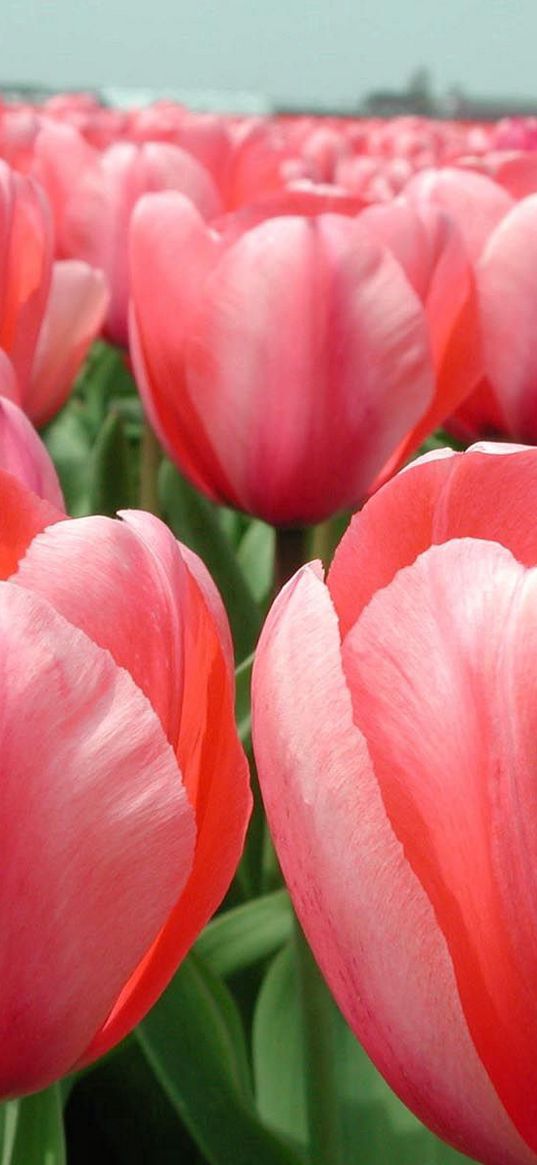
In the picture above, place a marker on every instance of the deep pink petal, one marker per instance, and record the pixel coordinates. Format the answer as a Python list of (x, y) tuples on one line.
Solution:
[(22, 515), (306, 331), (475, 494), (217, 782)]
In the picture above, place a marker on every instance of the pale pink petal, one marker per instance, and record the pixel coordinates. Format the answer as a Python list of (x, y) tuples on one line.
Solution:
[(369, 922), (74, 317), (96, 836), (124, 591), (473, 201), (23, 454), (450, 721)]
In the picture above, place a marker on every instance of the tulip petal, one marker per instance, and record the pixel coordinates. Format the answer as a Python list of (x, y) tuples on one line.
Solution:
[(171, 253), (369, 922), (22, 515), (96, 837), (106, 579), (75, 312), (507, 281), (477, 495), (308, 329), (23, 454), (216, 778), (474, 202), (450, 723)]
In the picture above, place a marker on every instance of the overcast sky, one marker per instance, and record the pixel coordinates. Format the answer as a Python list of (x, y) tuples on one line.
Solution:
[(290, 49)]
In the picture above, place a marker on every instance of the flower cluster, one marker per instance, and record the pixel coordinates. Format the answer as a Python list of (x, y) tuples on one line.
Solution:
[(302, 303)]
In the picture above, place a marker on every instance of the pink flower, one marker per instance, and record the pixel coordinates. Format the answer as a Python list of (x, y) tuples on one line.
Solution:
[(125, 792), (49, 312), (394, 728), (282, 365), (94, 194)]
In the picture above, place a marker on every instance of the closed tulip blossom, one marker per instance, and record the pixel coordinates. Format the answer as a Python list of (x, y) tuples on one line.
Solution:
[(283, 364), (394, 718), (125, 791)]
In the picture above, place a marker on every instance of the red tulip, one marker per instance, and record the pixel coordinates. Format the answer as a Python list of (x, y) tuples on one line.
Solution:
[(281, 368), (394, 730), (125, 789)]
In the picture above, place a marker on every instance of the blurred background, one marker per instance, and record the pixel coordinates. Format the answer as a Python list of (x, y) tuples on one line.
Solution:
[(472, 58)]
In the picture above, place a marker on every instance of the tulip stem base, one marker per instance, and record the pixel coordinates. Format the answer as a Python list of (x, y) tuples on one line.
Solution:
[(291, 553), (322, 1104), (150, 459)]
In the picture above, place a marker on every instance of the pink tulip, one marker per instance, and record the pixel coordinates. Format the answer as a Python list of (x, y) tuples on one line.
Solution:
[(394, 733), (94, 195), (501, 239), (281, 369), (507, 283), (430, 247), (49, 313), (125, 789), (22, 453)]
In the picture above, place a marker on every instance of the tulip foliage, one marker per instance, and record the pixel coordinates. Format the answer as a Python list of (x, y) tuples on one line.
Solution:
[(296, 926)]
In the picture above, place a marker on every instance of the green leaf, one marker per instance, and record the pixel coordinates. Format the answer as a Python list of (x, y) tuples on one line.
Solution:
[(31, 1130), (69, 443), (110, 469), (194, 1042), (243, 682), (118, 1112), (277, 1050), (377, 1129), (256, 559), (195, 520), (245, 935)]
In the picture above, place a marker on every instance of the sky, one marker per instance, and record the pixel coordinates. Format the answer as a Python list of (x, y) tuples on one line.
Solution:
[(290, 50)]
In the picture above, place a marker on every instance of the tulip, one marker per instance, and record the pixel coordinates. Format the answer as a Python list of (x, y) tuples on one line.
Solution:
[(49, 312), (94, 194), (500, 237), (281, 368), (125, 789), (394, 734)]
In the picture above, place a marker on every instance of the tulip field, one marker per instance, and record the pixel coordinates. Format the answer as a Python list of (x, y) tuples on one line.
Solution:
[(268, 630)]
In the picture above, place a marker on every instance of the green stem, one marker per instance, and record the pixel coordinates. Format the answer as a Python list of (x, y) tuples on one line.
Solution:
[(317, 1009), (317, 1012), (291, 553), (326, 536), (150, 458)]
